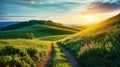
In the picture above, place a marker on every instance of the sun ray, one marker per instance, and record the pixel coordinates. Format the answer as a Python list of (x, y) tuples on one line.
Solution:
[(90, 19)]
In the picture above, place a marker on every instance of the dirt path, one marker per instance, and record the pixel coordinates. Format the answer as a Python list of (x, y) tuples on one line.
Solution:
[(47, 59), (51, 58), (71, 58)]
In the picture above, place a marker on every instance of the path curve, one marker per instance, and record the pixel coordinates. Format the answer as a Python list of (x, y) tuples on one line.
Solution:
[(47, 59), (73, 61)]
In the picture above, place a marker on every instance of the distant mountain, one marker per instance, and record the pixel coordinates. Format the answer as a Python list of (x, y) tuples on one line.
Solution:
[(4, 24)]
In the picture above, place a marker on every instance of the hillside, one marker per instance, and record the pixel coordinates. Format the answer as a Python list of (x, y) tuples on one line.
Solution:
[(98, 45), (108, 25), (37, 29)]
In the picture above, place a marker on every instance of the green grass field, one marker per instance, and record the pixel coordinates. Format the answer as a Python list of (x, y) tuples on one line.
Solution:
[(39, 31), (95, 46), (23, 52), (18, 50), (98, 45), (59, 60)]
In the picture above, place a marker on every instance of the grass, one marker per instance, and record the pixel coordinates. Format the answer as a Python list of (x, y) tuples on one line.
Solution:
[(96, 51), (23, 52), (98, 45), (59, 59), (53, 38), (37, 30)]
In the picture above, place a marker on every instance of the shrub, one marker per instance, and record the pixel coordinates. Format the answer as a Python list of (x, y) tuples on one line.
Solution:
[(34, 53), (96, 56), (5, 60), (93, 56), (11, 50), (30, 36)]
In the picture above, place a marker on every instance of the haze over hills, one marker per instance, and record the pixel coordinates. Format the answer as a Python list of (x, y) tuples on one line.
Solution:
[(99, 30), (4, 24), (37, 28), (108, 25)]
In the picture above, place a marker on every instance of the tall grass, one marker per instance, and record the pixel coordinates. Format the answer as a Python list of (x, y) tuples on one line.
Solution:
[(59, 59), (96, 51), (23, 53)]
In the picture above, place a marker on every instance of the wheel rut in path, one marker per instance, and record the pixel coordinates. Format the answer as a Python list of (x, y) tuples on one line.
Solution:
[(72, 60), (47, 59)]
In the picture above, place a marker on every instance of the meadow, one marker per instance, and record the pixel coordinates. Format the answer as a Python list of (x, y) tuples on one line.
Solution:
[(38, 44), (59, 59), (38, 31), (98, 45), (23, 52), (29, 44)]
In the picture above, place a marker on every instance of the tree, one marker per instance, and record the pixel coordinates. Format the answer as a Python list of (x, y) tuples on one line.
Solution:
[(30, 35)]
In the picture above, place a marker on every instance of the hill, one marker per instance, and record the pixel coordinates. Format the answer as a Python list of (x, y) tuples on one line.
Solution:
[(108, 25), (98, 45), (39, 29)]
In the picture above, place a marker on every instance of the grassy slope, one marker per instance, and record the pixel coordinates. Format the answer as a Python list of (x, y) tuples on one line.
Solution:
[(23, 43), (23, 52), (38, 31), (98, 45), (110, 25), (53, 38), (60, 59)]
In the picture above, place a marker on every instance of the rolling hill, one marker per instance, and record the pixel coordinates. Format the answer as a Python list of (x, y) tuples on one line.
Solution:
[(109, 25), (98, 45), (38, 29)]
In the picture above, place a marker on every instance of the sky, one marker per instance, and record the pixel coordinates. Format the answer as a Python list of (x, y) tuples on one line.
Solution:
[(76, 12)]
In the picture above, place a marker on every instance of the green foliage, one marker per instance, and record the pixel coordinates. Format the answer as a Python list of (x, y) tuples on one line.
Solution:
[(96, 51), (10, 50), (59, 60), (30, 36), (98, 45), (37, 31), (23, 56), (27, 23)]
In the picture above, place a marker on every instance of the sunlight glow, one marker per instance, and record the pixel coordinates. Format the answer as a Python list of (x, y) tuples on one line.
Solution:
[(90, 19)]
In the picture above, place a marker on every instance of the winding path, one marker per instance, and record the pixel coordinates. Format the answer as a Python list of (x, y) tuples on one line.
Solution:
[(47, 59), (73, 61)]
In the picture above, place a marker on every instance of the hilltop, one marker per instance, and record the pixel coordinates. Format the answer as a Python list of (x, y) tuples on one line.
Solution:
[(109, 25), (38, 28)]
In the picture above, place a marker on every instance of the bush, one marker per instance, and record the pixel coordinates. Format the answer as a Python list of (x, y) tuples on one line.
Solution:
[(96, 56), (11, 50), (34, 53), (4, 61), (30, 36), (17, 56)]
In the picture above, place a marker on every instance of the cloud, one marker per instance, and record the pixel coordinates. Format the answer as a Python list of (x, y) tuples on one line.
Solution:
[(27, 0), (20, 18), (102, 7)]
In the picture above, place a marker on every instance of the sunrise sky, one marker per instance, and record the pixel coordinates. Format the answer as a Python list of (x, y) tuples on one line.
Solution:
[(77, 12)]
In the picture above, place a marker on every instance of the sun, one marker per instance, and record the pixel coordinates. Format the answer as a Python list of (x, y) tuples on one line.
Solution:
[(90, 19)]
